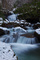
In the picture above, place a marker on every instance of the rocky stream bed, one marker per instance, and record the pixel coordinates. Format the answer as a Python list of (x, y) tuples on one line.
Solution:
[(22, 36)]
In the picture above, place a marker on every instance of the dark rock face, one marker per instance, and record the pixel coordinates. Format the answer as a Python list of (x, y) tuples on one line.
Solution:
[(36, 26), (7, 32), (10, 25), (37, 36), (2, 32)]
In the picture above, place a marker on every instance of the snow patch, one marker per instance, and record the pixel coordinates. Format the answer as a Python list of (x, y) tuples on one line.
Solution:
[(6, 52), (38, 31)]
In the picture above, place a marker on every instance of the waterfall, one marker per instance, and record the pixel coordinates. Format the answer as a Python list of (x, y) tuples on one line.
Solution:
[(15, 36), (12, 17)]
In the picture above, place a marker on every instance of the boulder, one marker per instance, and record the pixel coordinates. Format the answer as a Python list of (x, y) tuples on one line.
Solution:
[(10, 25), (37, 34), (2, 32)]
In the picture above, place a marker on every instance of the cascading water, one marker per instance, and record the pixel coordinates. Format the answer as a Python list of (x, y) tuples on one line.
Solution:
[(15, 36), (12, 17), (22, 41)]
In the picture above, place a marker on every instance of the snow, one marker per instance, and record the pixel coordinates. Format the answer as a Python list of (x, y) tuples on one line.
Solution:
[(3, 28), (1, 18), (6, 52), (38, 31), (19, 28), (14, 9)]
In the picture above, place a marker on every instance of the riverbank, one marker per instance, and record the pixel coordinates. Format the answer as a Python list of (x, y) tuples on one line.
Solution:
[(6, 52)]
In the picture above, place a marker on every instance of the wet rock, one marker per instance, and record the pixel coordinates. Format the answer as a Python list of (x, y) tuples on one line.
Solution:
[(28, 35), (37, 25), (10, 25), (7, 32), (2, 32), (37, 34)]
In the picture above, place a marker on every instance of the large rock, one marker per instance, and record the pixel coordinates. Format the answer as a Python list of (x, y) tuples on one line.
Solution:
[(10, 25), (2, 32), (37, 34)]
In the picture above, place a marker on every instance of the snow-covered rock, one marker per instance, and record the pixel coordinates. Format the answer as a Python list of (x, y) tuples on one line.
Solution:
[(1, 20), (6, 52), (37, 33), (4, 31), (20, 30)]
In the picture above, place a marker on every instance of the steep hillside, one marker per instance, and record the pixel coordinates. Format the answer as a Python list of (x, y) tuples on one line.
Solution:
[(9, 4)]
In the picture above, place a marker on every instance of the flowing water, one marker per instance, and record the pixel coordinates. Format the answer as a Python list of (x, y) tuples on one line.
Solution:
[(25, 47)]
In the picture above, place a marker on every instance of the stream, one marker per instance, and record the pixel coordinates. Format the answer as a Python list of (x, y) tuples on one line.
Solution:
[(23, 42)]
